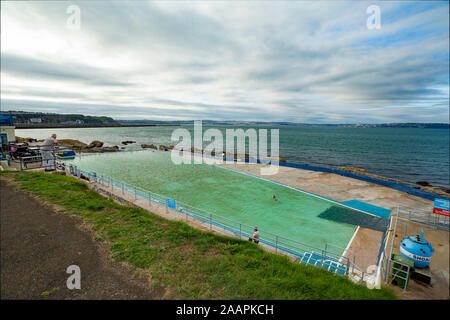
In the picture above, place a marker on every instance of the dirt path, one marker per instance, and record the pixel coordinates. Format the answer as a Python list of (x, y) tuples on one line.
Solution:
[(37, 246)]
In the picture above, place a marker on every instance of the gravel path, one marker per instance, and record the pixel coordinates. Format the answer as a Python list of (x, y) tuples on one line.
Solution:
[(38, 244)]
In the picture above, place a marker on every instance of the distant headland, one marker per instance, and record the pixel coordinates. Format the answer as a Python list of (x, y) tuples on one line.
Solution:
[(30, 120)]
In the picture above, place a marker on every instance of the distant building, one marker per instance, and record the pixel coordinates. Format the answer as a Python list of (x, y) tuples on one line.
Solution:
[(79, 121), (7, 127), (36, 120)]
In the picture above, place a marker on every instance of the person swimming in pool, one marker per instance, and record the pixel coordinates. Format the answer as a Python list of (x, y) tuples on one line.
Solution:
[(274, 198)]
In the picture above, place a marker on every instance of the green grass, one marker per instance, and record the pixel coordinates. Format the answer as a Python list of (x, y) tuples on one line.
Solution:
[(188, 263)]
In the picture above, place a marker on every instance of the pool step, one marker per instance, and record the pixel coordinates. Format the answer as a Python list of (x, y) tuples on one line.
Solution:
[(327, 263)]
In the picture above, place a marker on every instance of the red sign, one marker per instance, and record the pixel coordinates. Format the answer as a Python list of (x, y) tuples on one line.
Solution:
[(441, 212), (441, 207)]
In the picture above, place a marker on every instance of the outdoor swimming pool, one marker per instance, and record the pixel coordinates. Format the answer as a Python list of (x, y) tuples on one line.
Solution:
[(233, 195)]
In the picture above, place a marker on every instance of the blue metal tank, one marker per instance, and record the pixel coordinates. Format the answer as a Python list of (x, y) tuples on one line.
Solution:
[(417, 249)]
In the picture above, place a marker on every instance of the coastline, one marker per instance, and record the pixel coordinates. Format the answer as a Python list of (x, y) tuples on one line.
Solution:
[(315, 147), (65, 126), (354, 172)]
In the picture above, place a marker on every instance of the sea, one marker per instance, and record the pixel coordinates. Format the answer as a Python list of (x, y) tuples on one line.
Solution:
[(405, 155)]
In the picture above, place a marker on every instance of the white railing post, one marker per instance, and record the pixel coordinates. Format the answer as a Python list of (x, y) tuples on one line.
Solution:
[(135, 196), (210, 222), (123, 189), (276, 244), (149, 199), (347, 271), (240, 231)]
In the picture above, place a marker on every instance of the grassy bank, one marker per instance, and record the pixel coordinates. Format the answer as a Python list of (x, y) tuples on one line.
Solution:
[(185, 262)]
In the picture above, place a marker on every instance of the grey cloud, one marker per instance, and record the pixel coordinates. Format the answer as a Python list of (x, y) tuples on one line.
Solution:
[(41, 69), (144, 25), (254, 61), (118, 111)]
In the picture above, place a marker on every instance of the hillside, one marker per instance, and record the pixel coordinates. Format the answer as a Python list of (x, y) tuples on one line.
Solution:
[(41, 118)]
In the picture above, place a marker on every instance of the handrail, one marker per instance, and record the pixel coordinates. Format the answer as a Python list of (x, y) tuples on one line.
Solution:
[(426, 217), (295, 249), (182, 204)]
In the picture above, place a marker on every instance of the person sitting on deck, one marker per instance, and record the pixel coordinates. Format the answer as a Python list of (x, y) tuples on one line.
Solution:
[(274, 198), (255, 236)]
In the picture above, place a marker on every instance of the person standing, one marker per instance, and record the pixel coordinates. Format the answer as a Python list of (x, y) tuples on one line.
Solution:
[(48, 157)]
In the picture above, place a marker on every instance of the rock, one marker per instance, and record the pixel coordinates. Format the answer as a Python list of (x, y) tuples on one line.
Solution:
[(436, 190), (352, 169), (424, 185), (95, 144), (19, 139), (149, 146), (163, 147), (128, 142), (110, 149), (72, 144), (101, 149), (361, 172)]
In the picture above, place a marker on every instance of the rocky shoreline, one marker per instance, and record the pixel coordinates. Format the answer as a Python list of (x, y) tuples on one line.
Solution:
[(98, 147), (77, 146), (421, 185)]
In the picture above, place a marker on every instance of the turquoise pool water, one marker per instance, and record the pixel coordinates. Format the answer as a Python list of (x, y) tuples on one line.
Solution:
[(237, 196)]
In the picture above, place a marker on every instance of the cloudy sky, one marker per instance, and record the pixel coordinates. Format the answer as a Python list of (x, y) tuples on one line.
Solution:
[(299, 61)]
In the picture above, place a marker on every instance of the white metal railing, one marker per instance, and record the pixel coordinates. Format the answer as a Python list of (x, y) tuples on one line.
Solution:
[(424, 216), (390, 272), (331, 257), (35, 160)]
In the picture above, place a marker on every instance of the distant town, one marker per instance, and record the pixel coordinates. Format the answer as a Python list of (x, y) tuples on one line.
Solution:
[(24, 119)]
